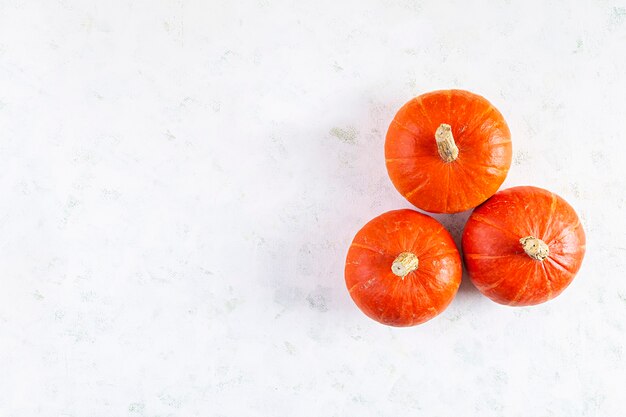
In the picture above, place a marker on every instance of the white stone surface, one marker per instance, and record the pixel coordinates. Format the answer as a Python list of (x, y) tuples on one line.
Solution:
[(181, 180)]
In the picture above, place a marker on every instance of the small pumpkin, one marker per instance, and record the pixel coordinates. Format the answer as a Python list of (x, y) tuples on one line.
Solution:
[(523, 246), (403, 268), (448, 151)]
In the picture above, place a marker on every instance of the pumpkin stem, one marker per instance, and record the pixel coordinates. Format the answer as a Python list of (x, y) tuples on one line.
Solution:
[(404, 264), (445, 143), (535, 248)]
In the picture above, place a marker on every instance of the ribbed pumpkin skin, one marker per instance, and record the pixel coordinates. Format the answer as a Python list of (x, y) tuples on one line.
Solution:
[(495, 259), (422, 294), (422, 176)]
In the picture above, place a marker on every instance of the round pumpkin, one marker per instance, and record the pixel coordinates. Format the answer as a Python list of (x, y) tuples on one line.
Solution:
[(523, 246), (448, 151), (403, 268)]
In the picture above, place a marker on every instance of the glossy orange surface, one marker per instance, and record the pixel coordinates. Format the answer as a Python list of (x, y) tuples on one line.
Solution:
[(495, 259), (420, 295), (422, 176)]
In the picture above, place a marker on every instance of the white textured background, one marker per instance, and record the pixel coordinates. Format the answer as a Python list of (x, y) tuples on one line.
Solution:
[(180, 181)]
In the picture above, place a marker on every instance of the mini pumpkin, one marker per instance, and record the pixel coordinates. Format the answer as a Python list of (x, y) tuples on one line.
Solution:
[(403, 268), (448, 151), (523, 246)]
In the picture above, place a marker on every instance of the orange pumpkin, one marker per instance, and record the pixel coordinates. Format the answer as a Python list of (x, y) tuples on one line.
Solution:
[(448, 151), (523, 246), (403, 268)]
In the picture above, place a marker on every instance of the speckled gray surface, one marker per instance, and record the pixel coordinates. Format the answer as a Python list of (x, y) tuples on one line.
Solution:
[(181, 180)]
